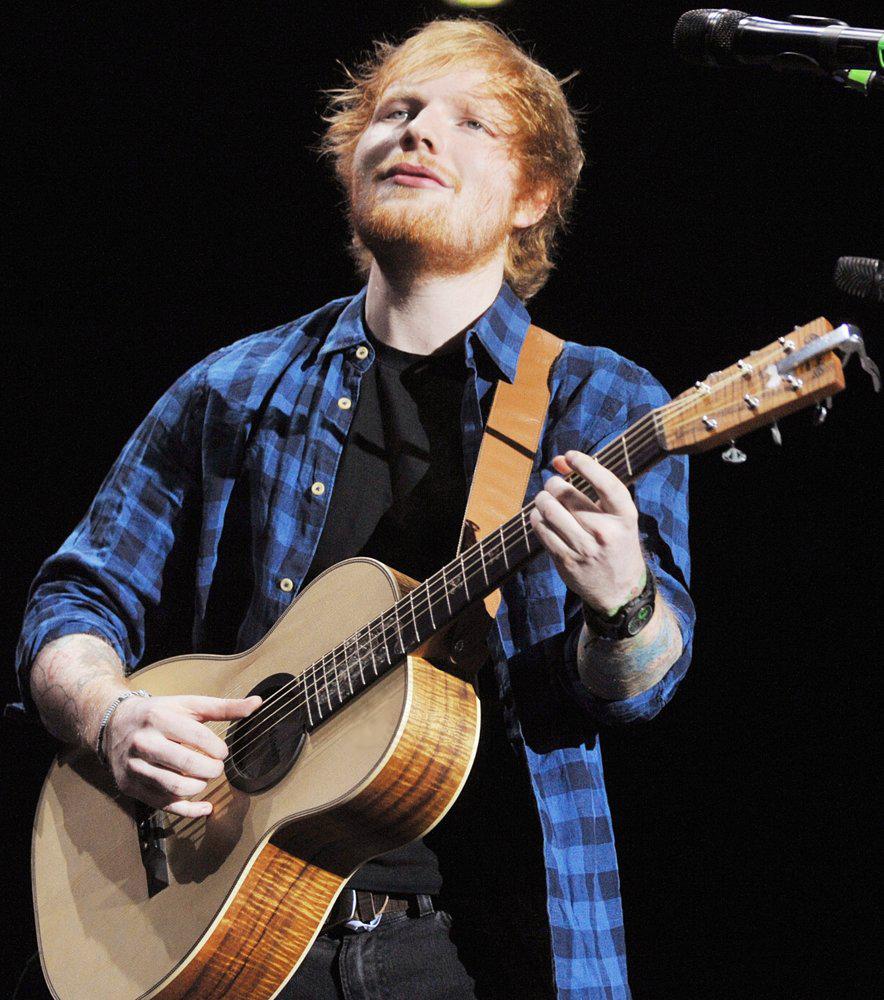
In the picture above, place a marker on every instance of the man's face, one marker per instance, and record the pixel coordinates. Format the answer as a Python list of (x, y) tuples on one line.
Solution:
[(434, 178)]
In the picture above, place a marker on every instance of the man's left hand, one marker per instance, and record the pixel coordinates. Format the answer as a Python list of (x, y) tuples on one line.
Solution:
[(594, 544)]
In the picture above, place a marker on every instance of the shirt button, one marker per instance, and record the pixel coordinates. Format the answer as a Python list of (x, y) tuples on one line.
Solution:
[(317, 489), (344, 403), (362, 352), (286, 585)]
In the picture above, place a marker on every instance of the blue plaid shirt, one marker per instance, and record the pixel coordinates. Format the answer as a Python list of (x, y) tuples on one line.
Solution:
[(267, 407)]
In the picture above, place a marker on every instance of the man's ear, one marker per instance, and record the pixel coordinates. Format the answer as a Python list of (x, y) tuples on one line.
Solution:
[(531, 207)]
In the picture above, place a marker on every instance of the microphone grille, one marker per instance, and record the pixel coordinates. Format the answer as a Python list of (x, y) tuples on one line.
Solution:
[(860, 276), (705, 36)]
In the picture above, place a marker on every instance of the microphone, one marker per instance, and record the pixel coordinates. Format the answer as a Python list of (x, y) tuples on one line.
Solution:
[(861, 276), (723, 38)]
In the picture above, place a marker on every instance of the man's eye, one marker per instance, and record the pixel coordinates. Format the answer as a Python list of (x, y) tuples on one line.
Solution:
[(474, 126), (396, 111)]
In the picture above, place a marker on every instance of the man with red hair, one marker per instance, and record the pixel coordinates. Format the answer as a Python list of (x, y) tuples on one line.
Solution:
[(354, 430)]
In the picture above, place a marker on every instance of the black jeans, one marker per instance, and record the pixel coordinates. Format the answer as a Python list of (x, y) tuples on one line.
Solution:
[(403, 958), (501, 954)]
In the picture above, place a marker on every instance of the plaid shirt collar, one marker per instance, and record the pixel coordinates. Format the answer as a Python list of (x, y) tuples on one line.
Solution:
[(500, 330)]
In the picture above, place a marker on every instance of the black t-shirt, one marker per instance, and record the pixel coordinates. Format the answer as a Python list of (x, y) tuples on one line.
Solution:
[(399, 496)]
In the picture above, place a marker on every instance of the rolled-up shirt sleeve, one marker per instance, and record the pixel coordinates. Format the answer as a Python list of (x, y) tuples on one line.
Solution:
[(109, 570), (661, 497)]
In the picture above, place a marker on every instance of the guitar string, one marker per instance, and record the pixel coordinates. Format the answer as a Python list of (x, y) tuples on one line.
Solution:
[(664, 414), (499, 538)]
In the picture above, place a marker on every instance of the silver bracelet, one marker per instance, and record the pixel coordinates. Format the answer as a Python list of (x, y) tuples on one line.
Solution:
[(114, 705)]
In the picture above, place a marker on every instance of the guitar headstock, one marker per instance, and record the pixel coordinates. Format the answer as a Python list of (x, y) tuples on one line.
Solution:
[(793, 372)]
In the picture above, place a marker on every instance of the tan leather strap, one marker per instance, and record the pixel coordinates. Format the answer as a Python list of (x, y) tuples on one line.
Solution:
[(509, 444), (503, 467)]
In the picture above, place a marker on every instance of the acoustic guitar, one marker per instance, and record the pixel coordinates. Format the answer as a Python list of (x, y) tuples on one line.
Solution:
[(361, 744)]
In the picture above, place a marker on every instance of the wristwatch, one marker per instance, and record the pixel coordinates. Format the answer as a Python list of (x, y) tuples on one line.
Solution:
[(628, 620)]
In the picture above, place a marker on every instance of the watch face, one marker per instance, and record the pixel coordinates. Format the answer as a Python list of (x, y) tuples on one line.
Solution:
[(638, 621)]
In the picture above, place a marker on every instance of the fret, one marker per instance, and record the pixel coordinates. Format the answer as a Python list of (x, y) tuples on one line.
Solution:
[(523, 517), (655, 420), (481, 548), (581, 484), (463, 571), (398, 630), (426, 624), (371, 646), (334, 673), (311, 674), (424, 590), (626, 456), (325, 687), (337, 675), (445, 588), (503, 546), (383, 637), (360, 650), (414, 618), (347, 666), (317, 702), (307, 700)]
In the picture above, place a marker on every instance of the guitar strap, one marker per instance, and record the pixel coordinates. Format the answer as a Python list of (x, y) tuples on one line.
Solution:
[(497, 492)]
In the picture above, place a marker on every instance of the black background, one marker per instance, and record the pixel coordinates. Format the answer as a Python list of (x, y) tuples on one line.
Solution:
[(164, 200)]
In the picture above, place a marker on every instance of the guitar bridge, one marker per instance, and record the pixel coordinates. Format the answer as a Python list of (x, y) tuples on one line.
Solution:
[(151, 834)]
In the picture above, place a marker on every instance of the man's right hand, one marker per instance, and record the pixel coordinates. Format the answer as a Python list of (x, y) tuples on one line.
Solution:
[(161, 752)]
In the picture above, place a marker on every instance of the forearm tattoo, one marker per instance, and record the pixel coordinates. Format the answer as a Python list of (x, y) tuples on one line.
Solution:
[(623, 669), (72, 680)]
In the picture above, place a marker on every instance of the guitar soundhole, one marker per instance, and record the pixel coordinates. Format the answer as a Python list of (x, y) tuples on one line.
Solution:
[(264, 746)]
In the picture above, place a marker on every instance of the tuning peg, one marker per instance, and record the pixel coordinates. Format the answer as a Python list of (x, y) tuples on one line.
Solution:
[(821, 411), (776, 434), (733, 455)]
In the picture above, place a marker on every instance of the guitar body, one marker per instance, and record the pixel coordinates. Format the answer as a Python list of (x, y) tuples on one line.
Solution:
[(249, 886)]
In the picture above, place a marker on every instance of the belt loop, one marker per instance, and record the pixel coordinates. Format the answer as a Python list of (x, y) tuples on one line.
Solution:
[(424, 904)]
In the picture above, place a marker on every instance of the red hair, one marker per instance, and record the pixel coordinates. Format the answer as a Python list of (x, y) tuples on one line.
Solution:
[(545, 135)]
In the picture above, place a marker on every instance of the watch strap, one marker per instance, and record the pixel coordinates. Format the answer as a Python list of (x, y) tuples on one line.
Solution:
[(627, 621)]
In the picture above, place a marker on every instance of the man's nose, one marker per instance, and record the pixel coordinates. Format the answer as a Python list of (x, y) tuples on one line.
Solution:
[(422, 132)]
